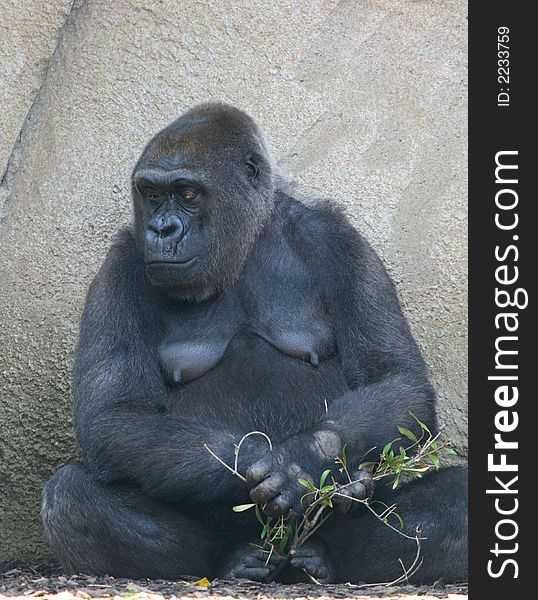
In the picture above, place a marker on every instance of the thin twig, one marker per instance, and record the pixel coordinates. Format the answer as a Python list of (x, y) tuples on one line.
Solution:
[(238, 447), (415, 566), (234, 471), (311, 577), (366, 503)]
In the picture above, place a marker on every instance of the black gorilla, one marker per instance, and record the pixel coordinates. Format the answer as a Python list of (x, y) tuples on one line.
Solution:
[(228, 307)]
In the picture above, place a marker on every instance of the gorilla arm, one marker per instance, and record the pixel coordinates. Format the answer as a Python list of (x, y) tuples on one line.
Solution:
[(120, 416), (384, 370)]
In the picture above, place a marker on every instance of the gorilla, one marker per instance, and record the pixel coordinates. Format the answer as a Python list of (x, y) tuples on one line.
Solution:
[(230, 306)]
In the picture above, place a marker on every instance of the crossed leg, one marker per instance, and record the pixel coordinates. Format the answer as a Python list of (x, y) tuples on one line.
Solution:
[(116, 530)]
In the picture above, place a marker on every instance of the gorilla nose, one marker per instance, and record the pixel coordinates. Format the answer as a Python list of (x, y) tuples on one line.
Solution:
[(169, 227)]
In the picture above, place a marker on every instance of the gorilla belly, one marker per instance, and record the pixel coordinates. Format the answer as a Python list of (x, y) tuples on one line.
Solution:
[(263, 387)]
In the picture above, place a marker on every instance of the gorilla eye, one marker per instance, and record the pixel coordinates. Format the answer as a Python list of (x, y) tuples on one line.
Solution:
[(188, 194), (152, 194)]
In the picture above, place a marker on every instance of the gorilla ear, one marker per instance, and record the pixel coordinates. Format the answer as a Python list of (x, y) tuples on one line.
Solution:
[(253, 170)]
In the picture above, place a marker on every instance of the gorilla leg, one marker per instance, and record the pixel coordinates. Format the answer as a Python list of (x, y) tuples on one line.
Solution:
[(116, 530), (364, 549)]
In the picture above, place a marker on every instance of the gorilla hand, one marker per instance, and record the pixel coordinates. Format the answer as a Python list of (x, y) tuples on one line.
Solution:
[(249, 562), (361, 488), (275, 478), (312, 557)]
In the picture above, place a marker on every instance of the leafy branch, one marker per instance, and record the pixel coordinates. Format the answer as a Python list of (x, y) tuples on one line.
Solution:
[(413, 460), (282, 535)]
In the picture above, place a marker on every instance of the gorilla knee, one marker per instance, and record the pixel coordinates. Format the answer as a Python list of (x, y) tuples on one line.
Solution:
[(62, 507), (61, 490)]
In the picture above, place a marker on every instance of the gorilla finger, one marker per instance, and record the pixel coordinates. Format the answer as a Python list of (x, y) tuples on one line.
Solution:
[(297, 510), (278, 506), (364, 476), (358, 491), (296, 514), (261, 557), (268, 488), (259, 470), (311, 565), (252, 573), (343, 500), (307, 551), (309, 562)]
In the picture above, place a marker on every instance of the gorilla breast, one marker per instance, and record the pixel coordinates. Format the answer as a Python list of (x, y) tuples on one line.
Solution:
[(276, 299)]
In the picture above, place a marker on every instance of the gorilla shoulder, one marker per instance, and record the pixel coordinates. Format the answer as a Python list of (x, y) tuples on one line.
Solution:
[(323, 235)]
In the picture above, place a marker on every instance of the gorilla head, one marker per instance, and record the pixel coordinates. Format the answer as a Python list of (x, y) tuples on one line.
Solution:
[(202, 191)]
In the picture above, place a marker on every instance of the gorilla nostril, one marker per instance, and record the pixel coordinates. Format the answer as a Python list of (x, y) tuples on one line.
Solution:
[(167, 228)]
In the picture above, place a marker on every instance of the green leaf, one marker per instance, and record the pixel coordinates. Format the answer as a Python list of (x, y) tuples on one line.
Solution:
[(308, 485), (387, 448), (371, 463), (396, 482), (242, 507), (326, 489), (344, 458), (450, 452), (422, 425), (435, 460), (408, 434), (288, 531), (259, 515), (323, 477), (417, 469)]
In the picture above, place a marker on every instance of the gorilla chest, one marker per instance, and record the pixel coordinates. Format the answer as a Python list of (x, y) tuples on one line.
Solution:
[(199, 337)]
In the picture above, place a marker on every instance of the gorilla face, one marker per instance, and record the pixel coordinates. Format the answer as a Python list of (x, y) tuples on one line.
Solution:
[(202, 191), (176, 243)]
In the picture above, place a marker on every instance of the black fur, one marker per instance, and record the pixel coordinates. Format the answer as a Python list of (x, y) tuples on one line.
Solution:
[(231, 307)]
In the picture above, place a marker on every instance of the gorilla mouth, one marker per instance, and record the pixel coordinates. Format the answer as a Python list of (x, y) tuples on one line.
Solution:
[(169, 271), (171, 262)]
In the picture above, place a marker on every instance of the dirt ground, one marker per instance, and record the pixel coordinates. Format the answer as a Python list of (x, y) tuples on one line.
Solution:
[(17, 583)]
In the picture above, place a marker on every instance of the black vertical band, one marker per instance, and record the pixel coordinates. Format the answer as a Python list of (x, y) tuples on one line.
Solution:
[(503, 240)]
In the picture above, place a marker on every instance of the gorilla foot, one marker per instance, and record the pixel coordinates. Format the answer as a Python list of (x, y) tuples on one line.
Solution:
[(250, 562), (312, 558)]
